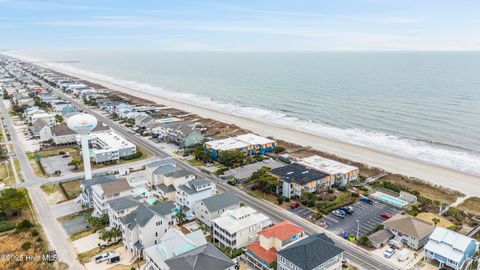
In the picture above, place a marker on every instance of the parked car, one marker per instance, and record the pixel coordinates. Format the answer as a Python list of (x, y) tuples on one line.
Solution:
[(366, 200), (389, 252), (103, 257), (339, 213), (348, 209), (294, 205), (113, 258), (385, 215)]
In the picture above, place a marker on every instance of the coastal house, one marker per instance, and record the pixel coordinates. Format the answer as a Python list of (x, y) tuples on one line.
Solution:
[(69, 111), (102, 193), (263, 253), (408, 230), (340, 174), (164, 177), (211, 208), (86, 198), (238, 227), (59, 105), (206, 256), (171, 247), (42, 130), (311, 253), (192, 191), (182, 133), (118, 208), (295, 179), (249, 144), (450, 248), (143, 120), (145, 226)]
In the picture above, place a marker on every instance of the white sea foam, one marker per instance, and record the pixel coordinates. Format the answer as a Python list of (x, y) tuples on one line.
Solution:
[(409, 148)]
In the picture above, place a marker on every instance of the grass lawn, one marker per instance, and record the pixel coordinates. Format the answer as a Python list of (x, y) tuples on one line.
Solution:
[(444, 223), (18, 169), (6, 174), (73, 188), (56, 152), (49, 189), (81, 234), (342, 199), (471, 205), (196, 163)]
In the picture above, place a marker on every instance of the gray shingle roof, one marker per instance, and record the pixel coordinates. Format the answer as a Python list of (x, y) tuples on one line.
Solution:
[(311, 252), (179, 173), (201, 258), (192, 186), (145, 212), (39, 125), (298, 173), (123, 203), (165, 188), (87, 184), (221, 201), (159, 163), (165, 169)]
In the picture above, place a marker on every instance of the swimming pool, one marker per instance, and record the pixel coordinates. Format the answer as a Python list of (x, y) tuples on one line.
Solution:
[(151, 200), (389, 199)]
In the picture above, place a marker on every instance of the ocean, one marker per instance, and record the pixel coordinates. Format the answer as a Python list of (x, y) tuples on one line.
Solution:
[(420, 105)]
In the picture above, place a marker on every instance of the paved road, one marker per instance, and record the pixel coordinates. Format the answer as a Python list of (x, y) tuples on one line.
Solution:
[(55, 234), (353, 253)]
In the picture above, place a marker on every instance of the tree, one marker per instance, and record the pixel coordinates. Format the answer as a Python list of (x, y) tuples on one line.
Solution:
[(108, 235), (13, 200), (230, 157), (279, 149), (309, 199), (75, 162), (131, 121), (267, 183), (259, 173), (435, 221), (59, 118), (280, 199), (98, 223), (181, 217), (201, 154), (364, 241)]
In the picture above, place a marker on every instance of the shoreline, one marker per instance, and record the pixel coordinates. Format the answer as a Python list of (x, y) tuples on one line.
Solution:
[(432, 173)]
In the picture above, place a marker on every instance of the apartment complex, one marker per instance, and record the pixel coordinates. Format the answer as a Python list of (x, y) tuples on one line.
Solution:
[(249, 144)]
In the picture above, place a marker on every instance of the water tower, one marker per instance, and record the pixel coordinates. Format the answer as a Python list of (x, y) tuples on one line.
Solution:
[(82, 124)]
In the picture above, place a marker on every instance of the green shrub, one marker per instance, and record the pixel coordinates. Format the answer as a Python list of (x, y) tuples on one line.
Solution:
[(279, 149), (138, 154), (24, 224), (34, 233), (6, 226), (26, 245), (355, 194)]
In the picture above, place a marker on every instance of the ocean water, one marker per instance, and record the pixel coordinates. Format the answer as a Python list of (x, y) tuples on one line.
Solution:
[(420, 105)]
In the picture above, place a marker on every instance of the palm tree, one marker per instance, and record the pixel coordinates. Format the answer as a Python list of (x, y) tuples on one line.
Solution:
[(435, 221), (181, 217)]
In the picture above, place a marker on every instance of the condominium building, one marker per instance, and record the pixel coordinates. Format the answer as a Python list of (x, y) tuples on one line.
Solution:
[(340, 173), (102, 193), (249, 144)]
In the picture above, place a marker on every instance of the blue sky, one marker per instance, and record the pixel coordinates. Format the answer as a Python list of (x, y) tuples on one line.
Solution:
[(241, 25)]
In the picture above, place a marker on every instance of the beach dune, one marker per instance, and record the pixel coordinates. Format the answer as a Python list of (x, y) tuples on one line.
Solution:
[(466, 183)]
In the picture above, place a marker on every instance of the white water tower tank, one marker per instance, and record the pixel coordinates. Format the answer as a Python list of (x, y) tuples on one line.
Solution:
[(82, 123)]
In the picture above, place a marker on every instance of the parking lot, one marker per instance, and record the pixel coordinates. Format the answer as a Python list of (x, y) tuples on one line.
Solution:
[(56, 163), (302, 211), (247, 170), (368, 217)]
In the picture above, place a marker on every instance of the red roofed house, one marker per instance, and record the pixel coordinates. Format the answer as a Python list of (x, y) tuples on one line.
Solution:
[(263, 253)]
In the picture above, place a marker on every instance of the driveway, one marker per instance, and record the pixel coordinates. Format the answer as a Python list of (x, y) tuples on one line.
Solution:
[(367, 215), (124, 260), (66, 208), (86, 243)]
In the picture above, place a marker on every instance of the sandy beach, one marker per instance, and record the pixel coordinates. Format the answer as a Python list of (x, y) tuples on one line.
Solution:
[(468, 184)]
